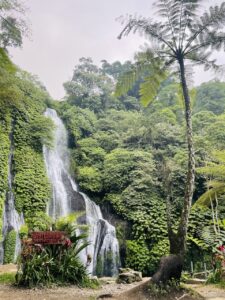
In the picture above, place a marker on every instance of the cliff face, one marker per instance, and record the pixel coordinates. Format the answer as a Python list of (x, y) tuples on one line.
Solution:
[(24, 186)]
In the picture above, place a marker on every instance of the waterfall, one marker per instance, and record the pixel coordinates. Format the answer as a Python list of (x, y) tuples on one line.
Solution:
[(11, 219), (103, 245), (57, 164)]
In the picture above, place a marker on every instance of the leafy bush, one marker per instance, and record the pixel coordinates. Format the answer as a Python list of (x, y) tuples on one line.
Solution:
[(214, 277), (158, 250), (39, 221), (9, 247), (140, 258), (137, 256), (90, 179), (69, 223), (23, 231), (32, 187), (4, 152), (53, 264)]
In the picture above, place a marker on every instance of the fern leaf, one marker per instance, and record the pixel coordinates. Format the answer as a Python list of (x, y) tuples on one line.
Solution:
[(206, 198), (148, 68)]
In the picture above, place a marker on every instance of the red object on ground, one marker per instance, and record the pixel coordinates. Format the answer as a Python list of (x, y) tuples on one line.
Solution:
[(48, 237)]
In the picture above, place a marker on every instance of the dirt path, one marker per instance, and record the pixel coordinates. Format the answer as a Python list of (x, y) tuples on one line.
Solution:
[(134, 291), (8, 292), (209, 292), (10, 268)]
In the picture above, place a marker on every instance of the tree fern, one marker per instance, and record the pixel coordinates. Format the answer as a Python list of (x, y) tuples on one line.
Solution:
[(150, 69), (216, 185), (211, 238)]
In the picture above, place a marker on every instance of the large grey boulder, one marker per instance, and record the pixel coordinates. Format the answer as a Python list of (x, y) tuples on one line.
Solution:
[(127, 275)]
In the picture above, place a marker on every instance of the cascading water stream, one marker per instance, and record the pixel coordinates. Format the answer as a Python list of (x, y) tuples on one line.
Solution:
[(57, 164), (66, 198), (11, 219)]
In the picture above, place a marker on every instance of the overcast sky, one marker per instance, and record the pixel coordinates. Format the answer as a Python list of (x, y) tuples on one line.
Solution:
[(65, 30)]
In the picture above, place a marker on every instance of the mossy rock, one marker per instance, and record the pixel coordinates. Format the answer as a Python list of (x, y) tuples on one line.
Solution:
[(127, 275)]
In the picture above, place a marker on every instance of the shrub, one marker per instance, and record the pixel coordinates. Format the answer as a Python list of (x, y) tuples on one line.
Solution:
[(137, 256), (23, 232), (158, 250), (9, 247), (69, 223), (39, 221), (53, 264), (90, 179)]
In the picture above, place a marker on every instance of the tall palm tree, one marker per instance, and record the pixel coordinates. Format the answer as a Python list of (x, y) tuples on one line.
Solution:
[(179, 36)]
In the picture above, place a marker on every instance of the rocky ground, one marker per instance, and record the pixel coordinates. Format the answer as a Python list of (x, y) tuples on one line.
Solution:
[(108, 290)]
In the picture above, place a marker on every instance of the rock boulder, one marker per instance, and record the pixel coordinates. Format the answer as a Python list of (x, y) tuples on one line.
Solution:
[(127, 275)]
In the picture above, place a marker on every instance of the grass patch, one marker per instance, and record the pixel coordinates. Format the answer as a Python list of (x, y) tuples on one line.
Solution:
[(7, 278), (220, 285)]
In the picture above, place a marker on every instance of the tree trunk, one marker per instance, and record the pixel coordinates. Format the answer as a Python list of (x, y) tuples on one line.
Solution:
[(171, 266), (190, 181)]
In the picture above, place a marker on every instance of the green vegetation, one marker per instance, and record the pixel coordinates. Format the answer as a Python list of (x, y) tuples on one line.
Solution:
[(12, 23), (131, 159), (4, 152), (22, 124), (32, 188), (137, 162), (182, 37), (7, 278), (54, 264), (9, 247)]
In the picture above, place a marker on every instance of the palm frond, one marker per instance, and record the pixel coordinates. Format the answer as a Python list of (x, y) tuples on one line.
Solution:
[(210, 195), (148, 68), (213, 19), (81, 247), (219, 156), (179, 15), (198, 242), (154, 30), (213, 170), (212, 239), (216, 186), (150, 87), (202, 59)]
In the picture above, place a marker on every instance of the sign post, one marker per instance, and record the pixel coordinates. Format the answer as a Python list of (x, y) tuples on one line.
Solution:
[(48, 237)]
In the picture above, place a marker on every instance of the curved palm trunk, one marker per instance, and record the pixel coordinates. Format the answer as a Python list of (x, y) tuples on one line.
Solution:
[(190, 181)]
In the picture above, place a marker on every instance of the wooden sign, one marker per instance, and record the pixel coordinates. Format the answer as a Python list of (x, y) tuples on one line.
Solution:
[(48, 237)]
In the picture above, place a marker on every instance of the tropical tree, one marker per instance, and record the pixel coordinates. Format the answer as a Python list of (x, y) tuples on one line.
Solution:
[(12, 23), (180, 36)]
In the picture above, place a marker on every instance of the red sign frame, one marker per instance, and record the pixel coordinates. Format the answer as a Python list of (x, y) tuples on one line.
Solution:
[(48, 237)]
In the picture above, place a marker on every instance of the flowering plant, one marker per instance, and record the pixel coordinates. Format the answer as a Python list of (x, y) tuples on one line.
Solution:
[(67, 243)]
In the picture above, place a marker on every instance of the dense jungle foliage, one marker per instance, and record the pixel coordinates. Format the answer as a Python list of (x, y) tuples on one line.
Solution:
[(24, 128), (130, 159), (127, 158)]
